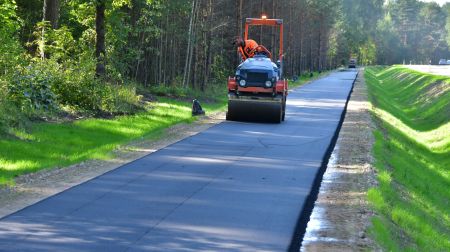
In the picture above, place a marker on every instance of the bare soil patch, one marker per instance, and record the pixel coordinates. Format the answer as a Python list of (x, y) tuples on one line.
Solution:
[(31, 188), (341, 214)]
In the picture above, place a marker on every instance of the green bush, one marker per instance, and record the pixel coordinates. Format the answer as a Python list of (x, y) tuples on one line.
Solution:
[(30, 88), (85, 93), (218, 70), (213, 93), (121, 99), (80, 91), (11, 52), (10, 115), (169, 91), (47, 86)]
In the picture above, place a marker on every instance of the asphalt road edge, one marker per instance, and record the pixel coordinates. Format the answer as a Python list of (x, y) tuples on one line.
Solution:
[(305, 213)]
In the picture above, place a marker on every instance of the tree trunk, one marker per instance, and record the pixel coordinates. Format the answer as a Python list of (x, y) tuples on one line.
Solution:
[(238, 3), (319, 46), (208, 39), (100, 51), (51, 12), (274, 30), (300, 40), (160, 54), (187, 65)]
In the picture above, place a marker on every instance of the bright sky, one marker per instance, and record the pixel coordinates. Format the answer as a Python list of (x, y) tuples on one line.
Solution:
[(440, 2)]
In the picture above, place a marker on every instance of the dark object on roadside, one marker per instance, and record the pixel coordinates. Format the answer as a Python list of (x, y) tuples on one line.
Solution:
[(442, 62), (311, 74), (197, 108), (295, 78), (352, 63)]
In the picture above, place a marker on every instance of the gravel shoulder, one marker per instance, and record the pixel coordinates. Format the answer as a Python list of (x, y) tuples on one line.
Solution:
[(341, 214), (32, 188)]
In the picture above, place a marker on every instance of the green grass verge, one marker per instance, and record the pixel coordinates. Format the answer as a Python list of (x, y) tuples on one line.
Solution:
[(50, 145), (412, 153)]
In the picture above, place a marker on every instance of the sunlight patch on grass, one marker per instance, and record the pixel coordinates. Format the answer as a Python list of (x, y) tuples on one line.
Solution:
[(436, 139), (17, 165)]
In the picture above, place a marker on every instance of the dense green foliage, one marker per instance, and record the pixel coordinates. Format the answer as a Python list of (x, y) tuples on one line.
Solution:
[(393, 32), (412, 150)]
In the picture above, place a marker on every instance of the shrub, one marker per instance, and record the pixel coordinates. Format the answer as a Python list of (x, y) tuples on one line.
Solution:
[(121, 99), (10, 115), (11, 52), (30, 88), (169, 91), (219, 70), (81, 90)]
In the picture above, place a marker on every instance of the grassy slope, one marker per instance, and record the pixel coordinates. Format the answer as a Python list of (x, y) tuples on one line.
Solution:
[(52, 145), (57, 145), (412, 152)]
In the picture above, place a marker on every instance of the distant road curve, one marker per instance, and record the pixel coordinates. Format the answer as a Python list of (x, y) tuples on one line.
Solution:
[(432, 69)]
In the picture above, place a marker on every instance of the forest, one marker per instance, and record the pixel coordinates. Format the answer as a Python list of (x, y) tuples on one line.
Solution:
[(100, 57)]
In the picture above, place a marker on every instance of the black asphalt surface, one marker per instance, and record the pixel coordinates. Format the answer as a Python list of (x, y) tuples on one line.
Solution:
[(234, 187)]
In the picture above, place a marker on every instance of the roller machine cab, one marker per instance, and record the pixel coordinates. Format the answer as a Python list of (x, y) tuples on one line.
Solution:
[(258, 89)]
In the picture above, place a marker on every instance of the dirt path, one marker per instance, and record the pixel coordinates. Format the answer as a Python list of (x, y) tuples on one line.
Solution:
[(35, 187), (341, 214)]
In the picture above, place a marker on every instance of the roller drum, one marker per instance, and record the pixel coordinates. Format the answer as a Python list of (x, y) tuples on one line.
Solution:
[(255, 111)]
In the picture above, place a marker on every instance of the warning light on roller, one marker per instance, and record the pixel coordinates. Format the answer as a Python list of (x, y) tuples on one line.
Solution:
[(264, 16)]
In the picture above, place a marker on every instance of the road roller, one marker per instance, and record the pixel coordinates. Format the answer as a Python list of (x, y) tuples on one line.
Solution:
[(258, 90)]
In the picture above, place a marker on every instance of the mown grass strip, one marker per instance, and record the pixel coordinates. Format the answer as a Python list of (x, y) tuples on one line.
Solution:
[(50, 145), (412, 152)]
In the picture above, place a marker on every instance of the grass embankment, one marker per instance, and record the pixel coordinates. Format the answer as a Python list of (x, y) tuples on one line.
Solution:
[(412, 153), (49, 145)]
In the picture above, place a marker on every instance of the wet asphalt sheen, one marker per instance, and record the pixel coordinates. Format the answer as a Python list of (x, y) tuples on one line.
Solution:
[(235, 187)]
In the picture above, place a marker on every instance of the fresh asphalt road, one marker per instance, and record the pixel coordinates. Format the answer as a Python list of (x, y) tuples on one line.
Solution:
[(234, 187)]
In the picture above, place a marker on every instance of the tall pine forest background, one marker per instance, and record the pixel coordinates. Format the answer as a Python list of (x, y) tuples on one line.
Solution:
[(62, 58)]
